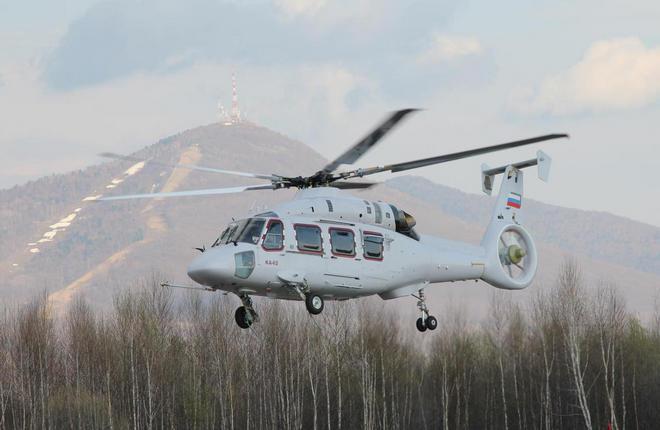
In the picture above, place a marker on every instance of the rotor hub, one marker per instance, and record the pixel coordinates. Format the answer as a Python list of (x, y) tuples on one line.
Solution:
[(516, 254)]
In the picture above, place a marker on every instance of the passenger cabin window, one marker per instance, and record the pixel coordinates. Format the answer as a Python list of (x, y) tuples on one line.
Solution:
[(373, 246), (308, 238), (274, 237), (342, 242)]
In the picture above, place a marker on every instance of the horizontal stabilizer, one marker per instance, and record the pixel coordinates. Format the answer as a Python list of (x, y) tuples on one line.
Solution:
[(542, 159)]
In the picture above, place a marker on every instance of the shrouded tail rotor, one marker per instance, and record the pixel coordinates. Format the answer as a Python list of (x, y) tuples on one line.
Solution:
[(517, 254), (513, 252), (511, 257)]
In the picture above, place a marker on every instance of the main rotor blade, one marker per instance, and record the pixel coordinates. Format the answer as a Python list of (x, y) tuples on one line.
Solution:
[(189, 166), (352, 185), (189, 193), (367, 142), (399, 167)]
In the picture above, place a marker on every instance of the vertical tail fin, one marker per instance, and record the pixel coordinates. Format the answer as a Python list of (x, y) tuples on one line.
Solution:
[(511, 257)]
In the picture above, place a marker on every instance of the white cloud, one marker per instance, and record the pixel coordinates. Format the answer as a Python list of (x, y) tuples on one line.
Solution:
[(337, 18), (448, 48), (300, 7), (614, 74)]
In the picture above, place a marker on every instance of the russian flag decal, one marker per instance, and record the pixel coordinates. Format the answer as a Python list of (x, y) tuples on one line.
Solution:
[(514, 200)]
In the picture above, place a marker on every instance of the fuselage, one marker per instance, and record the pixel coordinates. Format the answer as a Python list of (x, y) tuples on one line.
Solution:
[(339, 246)]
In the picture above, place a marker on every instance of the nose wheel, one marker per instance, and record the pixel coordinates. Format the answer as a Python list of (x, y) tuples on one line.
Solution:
[(245, 315), (426, 321)]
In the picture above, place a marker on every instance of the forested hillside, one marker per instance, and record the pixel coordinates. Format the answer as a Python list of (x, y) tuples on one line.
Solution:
[(566, 359)]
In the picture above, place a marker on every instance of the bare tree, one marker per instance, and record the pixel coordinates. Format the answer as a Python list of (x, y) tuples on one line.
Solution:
[(570, 360), (544, 326), (573, 310), (499, 314), (609, 321)]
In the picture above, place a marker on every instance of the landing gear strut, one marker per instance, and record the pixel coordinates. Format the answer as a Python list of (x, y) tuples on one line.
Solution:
[(246, 315), (426, 321), (313, 302)]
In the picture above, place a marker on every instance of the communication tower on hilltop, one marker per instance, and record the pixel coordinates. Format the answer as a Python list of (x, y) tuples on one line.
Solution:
[(235, 110), (233, 116)]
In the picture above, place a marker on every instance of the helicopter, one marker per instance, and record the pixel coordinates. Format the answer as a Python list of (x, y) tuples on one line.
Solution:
[(326, 244)]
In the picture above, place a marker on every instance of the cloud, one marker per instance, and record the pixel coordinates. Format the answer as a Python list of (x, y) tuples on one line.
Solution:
[(446, 48), (117, 38), (300, 7), (614, 74)]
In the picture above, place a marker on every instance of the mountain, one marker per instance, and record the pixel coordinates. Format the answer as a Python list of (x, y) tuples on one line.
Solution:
[(50, 238)]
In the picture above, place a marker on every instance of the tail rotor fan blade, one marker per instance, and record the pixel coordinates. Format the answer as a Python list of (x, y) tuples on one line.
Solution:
[(516, 268)]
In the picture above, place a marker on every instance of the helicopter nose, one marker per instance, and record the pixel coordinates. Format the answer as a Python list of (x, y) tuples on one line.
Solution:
[(211, 268)]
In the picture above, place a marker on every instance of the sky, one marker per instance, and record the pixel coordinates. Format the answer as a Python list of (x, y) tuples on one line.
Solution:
[(79, 77)]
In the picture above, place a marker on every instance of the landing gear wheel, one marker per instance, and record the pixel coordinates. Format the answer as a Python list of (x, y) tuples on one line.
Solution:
[(244, 317), (421, 326), (426, 321), (431, 323), (314, 303)]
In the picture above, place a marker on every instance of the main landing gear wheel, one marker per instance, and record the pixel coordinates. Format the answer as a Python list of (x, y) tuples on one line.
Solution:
[(426, 321), (314, 303), (431, 322), (245, 315)]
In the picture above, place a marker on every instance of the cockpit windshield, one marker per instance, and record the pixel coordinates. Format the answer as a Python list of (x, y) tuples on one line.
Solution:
[(245, 230)]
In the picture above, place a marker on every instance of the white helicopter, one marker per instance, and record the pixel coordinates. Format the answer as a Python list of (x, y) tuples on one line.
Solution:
[(328, 245)]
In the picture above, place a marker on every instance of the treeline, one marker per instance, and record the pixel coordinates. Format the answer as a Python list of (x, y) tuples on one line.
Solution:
[(569, 359)]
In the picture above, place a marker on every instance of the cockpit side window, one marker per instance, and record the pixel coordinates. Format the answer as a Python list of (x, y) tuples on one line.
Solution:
[(274, 237), (227, 234), (223, 236), (233, 231), (245, 230), (252, 231)]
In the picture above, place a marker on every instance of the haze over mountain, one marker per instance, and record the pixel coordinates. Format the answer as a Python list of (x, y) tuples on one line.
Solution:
[(51, 239)]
